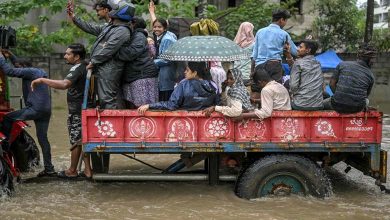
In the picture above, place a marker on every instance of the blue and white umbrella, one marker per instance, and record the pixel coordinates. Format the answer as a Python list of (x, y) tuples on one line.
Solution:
[(204, 48)]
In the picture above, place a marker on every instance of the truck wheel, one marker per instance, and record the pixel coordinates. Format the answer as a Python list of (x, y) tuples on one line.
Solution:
[(282, 175), (100, 162), (6, 178), (25, 152)]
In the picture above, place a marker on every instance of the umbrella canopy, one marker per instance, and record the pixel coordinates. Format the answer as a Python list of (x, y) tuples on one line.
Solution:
[(204, 48)]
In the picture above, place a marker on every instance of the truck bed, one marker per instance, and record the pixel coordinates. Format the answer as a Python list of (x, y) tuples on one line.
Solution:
[(125, 130)]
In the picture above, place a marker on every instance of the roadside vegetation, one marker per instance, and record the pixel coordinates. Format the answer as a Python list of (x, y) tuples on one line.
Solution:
[(339, 25)]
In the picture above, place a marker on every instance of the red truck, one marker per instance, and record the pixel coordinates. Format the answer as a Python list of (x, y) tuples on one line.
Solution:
[(284, 154)]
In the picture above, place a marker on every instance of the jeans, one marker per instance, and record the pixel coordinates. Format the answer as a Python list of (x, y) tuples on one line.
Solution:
[(41, 120), (300, 108), (329, 104)]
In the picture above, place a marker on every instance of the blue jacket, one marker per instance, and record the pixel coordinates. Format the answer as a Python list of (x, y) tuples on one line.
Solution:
[(167, 69), (39, 100), (190, 95)]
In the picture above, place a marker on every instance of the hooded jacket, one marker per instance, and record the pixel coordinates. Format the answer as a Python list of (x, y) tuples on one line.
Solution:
[(139, 65), (110, 38), (190, 95)]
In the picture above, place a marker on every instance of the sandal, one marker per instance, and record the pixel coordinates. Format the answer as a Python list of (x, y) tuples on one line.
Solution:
[(82, 174), (63, 175), (46, 173)]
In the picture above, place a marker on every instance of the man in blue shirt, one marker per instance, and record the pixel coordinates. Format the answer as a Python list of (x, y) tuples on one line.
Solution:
[(38, 107), (269, 42)]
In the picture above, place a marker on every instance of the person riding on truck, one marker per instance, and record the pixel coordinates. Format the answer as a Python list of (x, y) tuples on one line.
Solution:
[(352, 82), (235, 97), (140, 75), (195, 92), (306, 78), (274, 96), (37, 107), (269, 43), (110, 38)]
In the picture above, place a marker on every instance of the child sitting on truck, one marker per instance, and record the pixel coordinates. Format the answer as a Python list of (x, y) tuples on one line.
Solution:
[(274, 96), (235, 97), (195, 92)]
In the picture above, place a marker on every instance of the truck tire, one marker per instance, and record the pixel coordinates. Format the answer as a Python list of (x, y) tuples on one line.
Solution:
[(6, 178), (25, 152), (283, 175), (100, 162)]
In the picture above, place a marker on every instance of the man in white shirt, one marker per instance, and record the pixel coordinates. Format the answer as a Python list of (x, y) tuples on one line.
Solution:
[(274, 96)]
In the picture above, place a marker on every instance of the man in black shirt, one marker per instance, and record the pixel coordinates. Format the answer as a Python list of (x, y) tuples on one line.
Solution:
[(352, 82), (75, 83)]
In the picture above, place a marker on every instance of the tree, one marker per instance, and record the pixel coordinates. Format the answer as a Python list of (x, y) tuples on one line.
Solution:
[(340, 24), (369, 21), (258, 12), (381, 39), (364, 5), (30, 39), (175, 8)]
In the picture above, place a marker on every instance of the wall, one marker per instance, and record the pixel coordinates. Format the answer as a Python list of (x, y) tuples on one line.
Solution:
[(380, 95)]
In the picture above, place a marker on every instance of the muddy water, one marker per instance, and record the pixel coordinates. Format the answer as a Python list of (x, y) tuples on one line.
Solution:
[(355, 196)]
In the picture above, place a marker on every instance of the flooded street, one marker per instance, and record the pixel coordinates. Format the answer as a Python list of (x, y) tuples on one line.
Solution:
[(355, 196)]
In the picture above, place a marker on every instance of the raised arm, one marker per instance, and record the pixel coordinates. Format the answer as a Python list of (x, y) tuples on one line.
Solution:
[(152, 12), (94, 29)]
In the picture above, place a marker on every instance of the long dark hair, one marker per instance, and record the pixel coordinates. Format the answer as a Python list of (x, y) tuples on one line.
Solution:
[(163, 22), (157, 42)]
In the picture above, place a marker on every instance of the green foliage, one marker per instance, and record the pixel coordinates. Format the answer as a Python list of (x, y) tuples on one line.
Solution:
[(30, 40), (176, 8), (381, 39), (340, 24), (290, 5), (258, 12)]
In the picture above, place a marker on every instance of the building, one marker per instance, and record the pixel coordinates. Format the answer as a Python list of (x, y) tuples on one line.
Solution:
[(381, 14), (297, 25)]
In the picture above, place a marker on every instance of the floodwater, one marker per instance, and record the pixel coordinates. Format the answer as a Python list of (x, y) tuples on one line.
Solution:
[(355, 196)]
